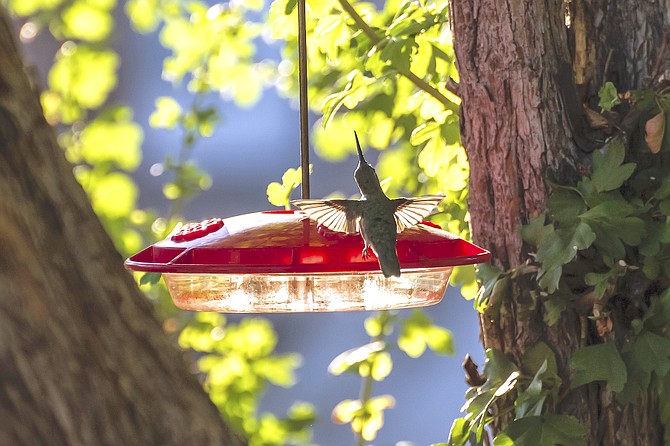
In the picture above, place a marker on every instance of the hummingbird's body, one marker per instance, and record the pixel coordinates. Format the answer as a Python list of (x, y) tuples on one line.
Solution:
[(378, 218)]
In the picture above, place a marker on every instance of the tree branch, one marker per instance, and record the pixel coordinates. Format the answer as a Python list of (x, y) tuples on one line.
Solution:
[(376, 39)]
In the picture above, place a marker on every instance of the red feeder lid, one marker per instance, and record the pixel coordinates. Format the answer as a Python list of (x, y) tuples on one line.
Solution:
[(285, 242)]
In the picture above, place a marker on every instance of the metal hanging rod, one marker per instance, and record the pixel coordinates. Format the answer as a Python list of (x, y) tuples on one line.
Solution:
[(304, 109)]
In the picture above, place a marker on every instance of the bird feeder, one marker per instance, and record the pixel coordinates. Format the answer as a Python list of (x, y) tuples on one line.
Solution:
[(281, 261)]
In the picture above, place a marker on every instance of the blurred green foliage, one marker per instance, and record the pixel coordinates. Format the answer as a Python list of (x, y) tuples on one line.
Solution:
[(382, 71), (373, 362), (238, 361)]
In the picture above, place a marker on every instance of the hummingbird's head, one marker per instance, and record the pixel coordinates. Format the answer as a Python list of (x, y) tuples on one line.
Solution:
[(365, 175)]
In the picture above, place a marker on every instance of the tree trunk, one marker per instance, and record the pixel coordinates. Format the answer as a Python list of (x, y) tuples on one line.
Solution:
[(84, 361), (523, 77)]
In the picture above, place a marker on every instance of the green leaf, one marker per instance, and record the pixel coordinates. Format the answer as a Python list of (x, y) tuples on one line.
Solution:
[(459, 433), (466, 277), (142, 14), (150, 278), (279, 369), (440, 340), (113, 195), (651, 353), (560, 247), (608, 243), (354, 91), (501, 377), (536, 230), (607, 210), (638, 379), (290, 6), (381, 366), (300, 416), (86, 21), (497, 369), (664, 404), (601, 362), (350, 360), (530, 401), (565, 206), (280, 194), (608, 171), (609, 97), (664, 189), (549, 280), (276, 194), (540, 362), (380, 322), (553, 308), (167, 113), (488, 275), (651, 245), (651, 267), (112, 138), (398, 52), (501, 291), (598, 280), (28, 7), (545, 430), (630, 230), (84, 75), (418, 332), (539, 356)]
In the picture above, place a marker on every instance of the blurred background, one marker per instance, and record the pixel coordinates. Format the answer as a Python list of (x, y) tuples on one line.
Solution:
[(252, 147)]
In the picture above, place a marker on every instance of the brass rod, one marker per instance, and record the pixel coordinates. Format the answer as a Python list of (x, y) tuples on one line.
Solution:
[(304, 110)]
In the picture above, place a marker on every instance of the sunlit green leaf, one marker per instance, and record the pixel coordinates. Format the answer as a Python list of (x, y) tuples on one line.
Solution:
[(466, 277), (418, 332), (86, 21), (609, 96), (280, 194), (381, 366), (143, 14), (459, 434), (112, 138), (83, 75), (167, 113), (345, 411), (28, 7), (113, 195), (351, 359)]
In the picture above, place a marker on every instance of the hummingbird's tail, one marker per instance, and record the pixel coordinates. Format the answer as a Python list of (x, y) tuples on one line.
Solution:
[(388, 259), (358, 147)]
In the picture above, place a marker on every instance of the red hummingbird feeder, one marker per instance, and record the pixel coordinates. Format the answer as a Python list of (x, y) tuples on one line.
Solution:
[(283, 261)]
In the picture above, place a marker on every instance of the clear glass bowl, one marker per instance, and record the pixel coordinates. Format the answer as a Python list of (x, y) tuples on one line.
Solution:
[(271, 293)]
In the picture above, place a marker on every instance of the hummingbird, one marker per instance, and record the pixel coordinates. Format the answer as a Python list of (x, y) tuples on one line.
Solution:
[(376, 217)]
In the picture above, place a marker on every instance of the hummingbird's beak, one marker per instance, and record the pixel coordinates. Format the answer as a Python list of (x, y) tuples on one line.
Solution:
[(358, 147)]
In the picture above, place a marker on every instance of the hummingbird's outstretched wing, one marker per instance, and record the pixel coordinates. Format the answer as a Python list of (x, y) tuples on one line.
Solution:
[(411, 211), (336, 215)]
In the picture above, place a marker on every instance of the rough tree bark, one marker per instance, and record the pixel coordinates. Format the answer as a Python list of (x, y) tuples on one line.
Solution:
[(523, 77), (84, 361)]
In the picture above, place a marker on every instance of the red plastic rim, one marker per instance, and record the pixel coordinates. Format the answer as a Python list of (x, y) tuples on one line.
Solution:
[(287, 242)]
